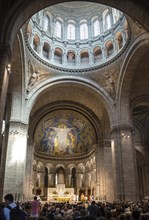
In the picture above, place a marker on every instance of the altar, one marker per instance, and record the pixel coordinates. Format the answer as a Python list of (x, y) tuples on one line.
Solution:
[(61, 194)]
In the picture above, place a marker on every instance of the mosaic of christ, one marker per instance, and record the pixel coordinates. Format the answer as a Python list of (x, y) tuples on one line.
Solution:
[(64, 133)]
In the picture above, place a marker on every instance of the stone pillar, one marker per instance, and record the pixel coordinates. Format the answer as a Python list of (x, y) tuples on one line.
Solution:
[(31, 41), (5, 57), (78, 183), (52, 183), (90, 32), (92, 183), (34, 177), (77, 33), (146, 180), (91, 57), (41, 186), (65, 31), (143, 170), (65, 58), (40, 49), (86, 184), (100, 182), (29, 178), (124, 164), (104, 53), (14, 181)]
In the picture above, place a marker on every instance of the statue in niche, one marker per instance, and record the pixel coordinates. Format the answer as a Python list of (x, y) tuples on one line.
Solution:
[(108, 81), (34, 75)]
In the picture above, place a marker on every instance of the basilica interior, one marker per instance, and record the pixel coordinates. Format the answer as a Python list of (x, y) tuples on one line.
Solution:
[(74, 89)]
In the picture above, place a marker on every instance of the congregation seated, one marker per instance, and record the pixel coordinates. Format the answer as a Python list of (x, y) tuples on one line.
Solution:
[(90, 211)]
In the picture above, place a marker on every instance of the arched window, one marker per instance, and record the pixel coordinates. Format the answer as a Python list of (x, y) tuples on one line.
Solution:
[(36, 42), (83, 31), (58, 55), (109, 48), (46, 50), (106, 20), (38, 18), (116, 15), (71, 31), (96, 26), (97, 54), (119, 40), (58, 29), (84, 57), (46, 26), (29, 32)]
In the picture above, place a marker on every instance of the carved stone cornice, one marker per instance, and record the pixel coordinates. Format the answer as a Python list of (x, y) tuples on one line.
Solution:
[(17, 127), (65, 158), (121, 127)]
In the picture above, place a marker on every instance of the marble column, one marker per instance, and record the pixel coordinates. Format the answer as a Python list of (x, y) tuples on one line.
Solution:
[(29, 184), (5, 59), (15, 175), (124, 164), (100, 178)]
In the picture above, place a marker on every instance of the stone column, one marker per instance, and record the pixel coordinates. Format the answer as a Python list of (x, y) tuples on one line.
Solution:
[(124, 164), (90, 32), (143, 170), (91, 57), (29, 178), (53, 179), (78, 183), (100, 182), (64, 58), (92, 179), (41, 186), (5, 58), (78, 58), (14, 181)]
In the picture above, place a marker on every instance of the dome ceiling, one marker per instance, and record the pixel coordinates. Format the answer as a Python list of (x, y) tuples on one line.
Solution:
[(76, 8), (77, 35)]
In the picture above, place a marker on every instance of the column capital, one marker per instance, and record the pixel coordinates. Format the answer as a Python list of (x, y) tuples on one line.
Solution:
[(121, 127)]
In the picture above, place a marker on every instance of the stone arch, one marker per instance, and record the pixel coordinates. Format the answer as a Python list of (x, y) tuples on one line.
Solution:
[(29, 32), (97, 52), (50, 167), (106, 99), (40, 167), (109, 48), (127, 74), (58, 55), (46, 50), (36, 43), (81, 168), (119, 40), (84, 56)]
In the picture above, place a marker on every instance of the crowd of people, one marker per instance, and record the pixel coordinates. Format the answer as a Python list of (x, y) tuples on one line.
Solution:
[(79, 211)]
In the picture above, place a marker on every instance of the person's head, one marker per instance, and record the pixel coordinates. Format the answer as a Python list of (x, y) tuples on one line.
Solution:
[(8, 198), (35, 197), (50, 216), (93, 202), (136, 215)]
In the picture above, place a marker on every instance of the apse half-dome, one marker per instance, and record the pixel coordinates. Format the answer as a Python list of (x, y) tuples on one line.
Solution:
[(64, 133)]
